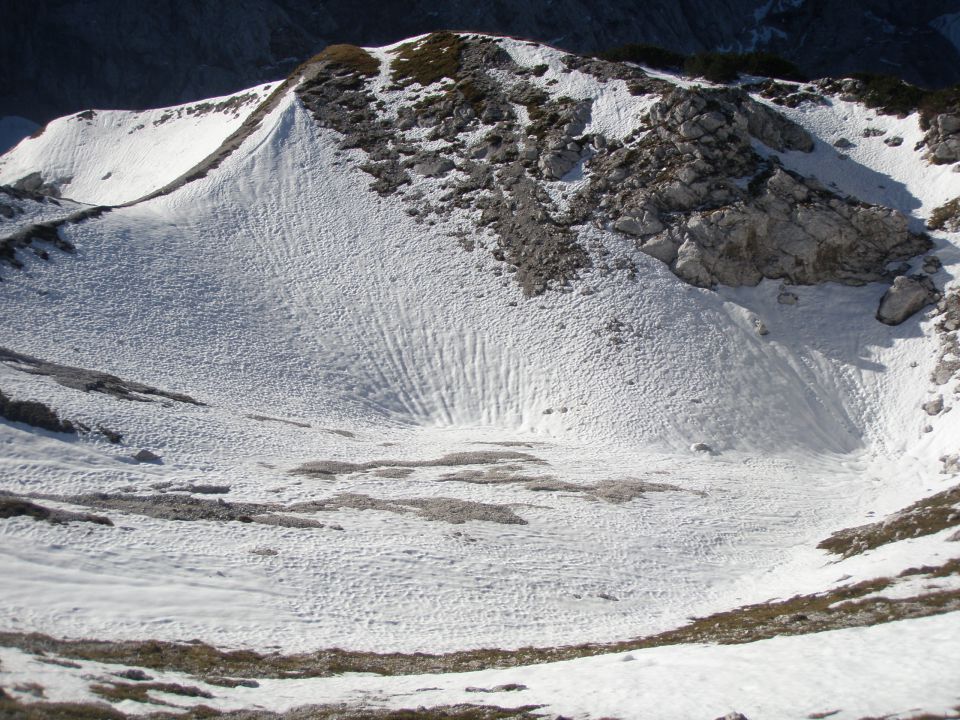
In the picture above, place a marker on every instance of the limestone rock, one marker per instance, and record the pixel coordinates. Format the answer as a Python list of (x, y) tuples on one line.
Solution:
[(434, 167), (907, 296), (557, 163), (934, 407)]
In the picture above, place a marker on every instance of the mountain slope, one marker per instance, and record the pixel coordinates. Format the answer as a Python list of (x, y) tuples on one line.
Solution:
[(450, 399)]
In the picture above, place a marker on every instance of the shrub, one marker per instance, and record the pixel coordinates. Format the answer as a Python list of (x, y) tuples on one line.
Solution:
[(889, 94), (650, 55), (726, 67)]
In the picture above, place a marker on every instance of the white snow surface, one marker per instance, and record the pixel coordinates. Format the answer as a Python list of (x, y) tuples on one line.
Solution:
[(280, 286), (108, 157)]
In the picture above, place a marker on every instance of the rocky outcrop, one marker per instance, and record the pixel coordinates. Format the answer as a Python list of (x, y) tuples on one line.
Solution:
[(906, 297), (948, 327), (943, 139), (688, 186), (677, 190)]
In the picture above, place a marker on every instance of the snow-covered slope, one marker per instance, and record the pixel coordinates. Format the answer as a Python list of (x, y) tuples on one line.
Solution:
[(318, 320), (109, 157)]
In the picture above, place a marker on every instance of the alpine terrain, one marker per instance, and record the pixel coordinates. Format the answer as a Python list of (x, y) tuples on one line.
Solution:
[(468, 378)]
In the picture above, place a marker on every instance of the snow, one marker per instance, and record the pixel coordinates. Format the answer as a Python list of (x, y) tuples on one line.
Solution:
[(849, 673), (279, 285), (949, 26), (108, 157)]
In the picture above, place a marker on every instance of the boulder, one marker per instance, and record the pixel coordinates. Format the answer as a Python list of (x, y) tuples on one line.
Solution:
[(556, 164), (434, 167), (646, 224), (934, 407), (907, 296), (145, 456)]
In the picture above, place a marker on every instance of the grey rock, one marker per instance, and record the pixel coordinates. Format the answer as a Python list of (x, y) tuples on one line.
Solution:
[(554, 165), (646, 224), (907, 296), (701, 447), (787, 298), (842, 143), (934, 407), (145, 456), (662, 247), (434, 167), (948, 124), (895, 141), (951, 464), (931, 264)]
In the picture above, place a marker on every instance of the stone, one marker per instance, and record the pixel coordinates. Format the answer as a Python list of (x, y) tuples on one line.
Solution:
[(701, 447), (145, 456), (556, 164), (933, 407), (760, 327), (948, 124), (662, 247), (842, 144), (895, 141), (951, 464), (787, 298), (931, 264), (907, 296), (434, 167), (647, 224)]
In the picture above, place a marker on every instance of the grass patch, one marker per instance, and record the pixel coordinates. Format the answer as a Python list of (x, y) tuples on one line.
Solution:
[(10, 708), (946, 217), (893, 96), (427, 61), (726, 67), (140, 692), (349, 57), (925, 517)]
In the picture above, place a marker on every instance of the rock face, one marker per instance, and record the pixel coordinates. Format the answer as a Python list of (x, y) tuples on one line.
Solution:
[(907, 296), (687, 186), (948, 327), (675, 191), (943, 139), (69, 54)]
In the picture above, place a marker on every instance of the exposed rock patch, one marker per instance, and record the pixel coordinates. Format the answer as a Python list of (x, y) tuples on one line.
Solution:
[(947, 326), (328, 468), (189, 508), (35, 414), (441, 509), (13, 506), (90, 380)]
